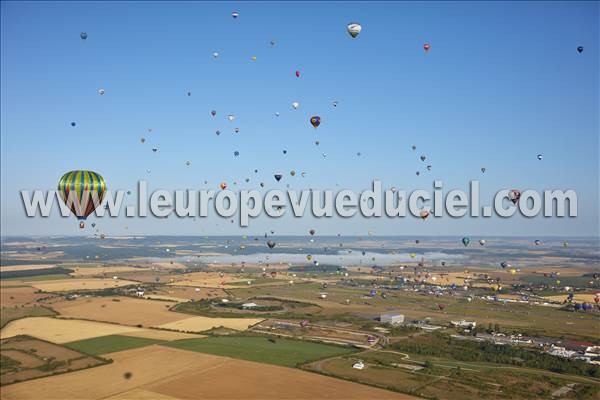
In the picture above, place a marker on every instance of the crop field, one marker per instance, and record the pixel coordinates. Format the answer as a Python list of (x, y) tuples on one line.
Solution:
[(201, 324), (58, 330), (25, 267), (65, 285), (163, 373), (284, 352), (110, 344), (119, 309), (25, 358), (20, 295)]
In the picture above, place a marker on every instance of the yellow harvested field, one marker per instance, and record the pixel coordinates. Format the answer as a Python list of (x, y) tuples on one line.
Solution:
[(214, 280), (65, 285), (24, 295), (26, 267), (200, 324), (58, 330), (163, 373), (108, 271), (120, 310), (140, 394)]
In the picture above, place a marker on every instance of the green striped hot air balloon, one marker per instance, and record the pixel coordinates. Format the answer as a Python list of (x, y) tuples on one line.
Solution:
[(87, 188)]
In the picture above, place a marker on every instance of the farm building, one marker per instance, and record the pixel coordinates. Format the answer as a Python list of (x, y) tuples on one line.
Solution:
[(391, 318)]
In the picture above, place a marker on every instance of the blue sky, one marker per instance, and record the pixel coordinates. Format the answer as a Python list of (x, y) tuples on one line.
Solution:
[(501, 83)]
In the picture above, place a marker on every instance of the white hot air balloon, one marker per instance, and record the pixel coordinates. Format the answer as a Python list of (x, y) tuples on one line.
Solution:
[(354, 29)]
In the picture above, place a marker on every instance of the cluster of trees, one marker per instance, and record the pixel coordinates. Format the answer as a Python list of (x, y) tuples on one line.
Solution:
[(441, 345)]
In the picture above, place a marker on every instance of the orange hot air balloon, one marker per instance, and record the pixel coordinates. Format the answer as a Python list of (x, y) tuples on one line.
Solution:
[(223, 185)]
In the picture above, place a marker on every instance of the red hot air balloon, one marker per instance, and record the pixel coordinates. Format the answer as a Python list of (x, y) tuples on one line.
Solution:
[(426, 47), (297, 74)]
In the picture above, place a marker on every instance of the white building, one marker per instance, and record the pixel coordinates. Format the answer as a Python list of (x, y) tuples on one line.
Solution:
[(464, 324), (358, 365), (249, 305), (391, 318)]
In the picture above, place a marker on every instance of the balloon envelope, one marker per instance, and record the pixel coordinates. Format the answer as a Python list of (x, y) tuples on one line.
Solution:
[(354, 29), (82, 191)]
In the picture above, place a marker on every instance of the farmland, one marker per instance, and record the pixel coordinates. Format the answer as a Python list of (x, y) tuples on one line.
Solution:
[(65, 285), (119, 309), (284, 352), (188, 374), (201, 324), (57, 330), (25, 358), (110, 344)]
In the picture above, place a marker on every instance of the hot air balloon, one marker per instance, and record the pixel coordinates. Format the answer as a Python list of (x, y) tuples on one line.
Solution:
[(335, 103), (579, 49), (354, 29), (483, 170), (73, 124), (295, 105), (504, 265), (188, 163), (315, 121), (83, 36), (537, 242), (424, 214), (213, 113), (312, 232), (235, 14), (278, 177), (143, 140), (423, 157), (230, 117), (466, 241), (482, 242), (540, 157), (293, 173), (82, 191), (215, 55), (271, 244), (101, 92), (236, 153), (426, 47), (223, 185), (514, 195), (297, 74), (441, 306)]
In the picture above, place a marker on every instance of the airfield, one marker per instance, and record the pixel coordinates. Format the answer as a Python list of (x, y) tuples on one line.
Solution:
[(183, 325)]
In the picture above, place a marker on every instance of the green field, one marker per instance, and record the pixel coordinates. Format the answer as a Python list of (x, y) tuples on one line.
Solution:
[(284, 352), (110, 344)]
